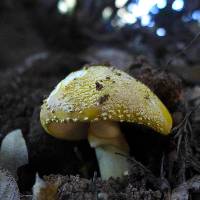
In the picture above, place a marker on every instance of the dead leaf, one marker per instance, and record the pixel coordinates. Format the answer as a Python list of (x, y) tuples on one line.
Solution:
[(13, 153), (182, 191), (43, 190), (8, 186)]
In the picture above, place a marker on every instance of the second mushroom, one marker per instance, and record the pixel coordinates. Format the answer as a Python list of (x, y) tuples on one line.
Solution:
[(90, 103)]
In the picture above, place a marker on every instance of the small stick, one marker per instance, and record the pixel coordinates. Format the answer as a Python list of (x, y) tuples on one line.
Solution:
[(197, 36)]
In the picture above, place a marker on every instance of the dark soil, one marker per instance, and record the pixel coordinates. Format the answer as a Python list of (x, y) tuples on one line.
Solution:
[(34, 57)]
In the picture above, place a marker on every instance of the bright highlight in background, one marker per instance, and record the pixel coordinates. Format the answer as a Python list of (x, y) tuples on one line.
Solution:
[(140, 10), (196, 15), (161, 4), (145, 20), (161, 32), (65, 6), (120, 3), (178, 5), (125, 17), (130, 12), (62, 7), (107, 12)]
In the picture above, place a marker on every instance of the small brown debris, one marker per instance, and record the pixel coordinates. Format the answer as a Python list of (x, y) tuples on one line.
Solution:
[(107, 77), (86, 66), (99, 86), (103, 99), (146, 96), (118, 74)]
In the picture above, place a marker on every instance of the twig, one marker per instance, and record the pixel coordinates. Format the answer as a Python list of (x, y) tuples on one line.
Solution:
[(135, 161), (184, 150), (94, 185), (162, 167), (184, 49)]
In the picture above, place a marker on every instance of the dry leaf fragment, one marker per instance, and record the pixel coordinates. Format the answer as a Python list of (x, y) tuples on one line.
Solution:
[(8, 186), (13, 153)]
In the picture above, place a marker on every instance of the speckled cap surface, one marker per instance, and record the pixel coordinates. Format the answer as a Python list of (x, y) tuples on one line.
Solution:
[(104, 93)]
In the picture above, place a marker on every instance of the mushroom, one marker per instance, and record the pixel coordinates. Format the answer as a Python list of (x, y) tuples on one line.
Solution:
[(90, 103)]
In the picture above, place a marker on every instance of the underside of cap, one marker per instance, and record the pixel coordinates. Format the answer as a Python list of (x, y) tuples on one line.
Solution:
[(104, 93)]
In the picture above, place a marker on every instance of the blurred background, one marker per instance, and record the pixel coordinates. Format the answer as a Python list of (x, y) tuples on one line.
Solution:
[(98, 29)]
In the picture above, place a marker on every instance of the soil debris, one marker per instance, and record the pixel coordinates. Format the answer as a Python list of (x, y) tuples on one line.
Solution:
[(99, 86), (103, 99)]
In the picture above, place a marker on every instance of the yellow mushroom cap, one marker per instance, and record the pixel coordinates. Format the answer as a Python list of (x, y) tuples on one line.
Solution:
[(103, 93)]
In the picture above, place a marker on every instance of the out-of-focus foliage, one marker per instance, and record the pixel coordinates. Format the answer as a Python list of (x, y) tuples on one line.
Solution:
[(162, 27), (116, 14)]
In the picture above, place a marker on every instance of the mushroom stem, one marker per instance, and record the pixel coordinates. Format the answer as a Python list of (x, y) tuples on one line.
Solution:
[(107, 139), (110, 163)]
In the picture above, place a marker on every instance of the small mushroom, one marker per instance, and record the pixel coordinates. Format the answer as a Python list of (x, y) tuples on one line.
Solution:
[(91, 102)]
